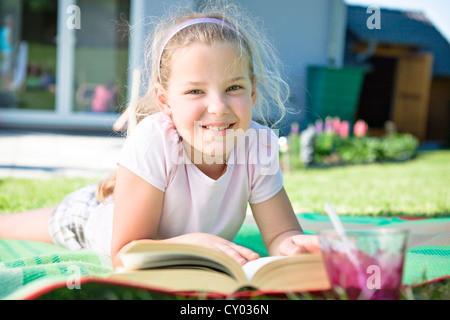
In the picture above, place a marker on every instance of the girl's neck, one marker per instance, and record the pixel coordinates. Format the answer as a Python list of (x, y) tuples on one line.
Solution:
[(213, 171), (213, 167)]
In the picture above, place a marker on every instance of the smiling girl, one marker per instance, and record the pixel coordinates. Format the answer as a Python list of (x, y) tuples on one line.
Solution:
[(190, 167)]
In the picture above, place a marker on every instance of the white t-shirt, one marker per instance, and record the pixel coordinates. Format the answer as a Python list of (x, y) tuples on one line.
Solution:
[(193, 202)]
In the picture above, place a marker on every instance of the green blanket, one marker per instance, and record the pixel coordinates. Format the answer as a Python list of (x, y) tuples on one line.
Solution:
[(27, 266)]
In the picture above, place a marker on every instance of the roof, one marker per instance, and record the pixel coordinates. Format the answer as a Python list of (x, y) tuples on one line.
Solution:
[(404, 28)]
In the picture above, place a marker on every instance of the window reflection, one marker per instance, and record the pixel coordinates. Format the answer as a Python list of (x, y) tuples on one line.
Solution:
[(28, 54), (101, 56)]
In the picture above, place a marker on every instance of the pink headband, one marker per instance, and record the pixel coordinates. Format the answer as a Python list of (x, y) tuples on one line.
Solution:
[(185, 25)]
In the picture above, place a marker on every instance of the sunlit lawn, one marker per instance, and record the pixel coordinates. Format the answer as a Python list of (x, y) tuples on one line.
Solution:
[(17, 195), (418, 187)]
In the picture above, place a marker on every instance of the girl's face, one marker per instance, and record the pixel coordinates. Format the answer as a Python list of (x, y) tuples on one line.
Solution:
[(209, 97)]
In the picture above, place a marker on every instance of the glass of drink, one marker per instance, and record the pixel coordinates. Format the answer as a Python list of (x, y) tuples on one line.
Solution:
[(365, 264)]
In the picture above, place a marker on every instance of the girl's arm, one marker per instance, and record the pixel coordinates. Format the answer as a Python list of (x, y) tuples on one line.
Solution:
[(137, 212), (280, 229)]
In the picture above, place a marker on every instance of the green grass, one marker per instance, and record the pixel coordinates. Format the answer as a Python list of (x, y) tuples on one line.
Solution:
[(17, 195), (419, 187)]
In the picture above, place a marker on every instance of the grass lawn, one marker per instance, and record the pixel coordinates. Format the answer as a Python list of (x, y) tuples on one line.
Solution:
[(17, 195), (419, 187)]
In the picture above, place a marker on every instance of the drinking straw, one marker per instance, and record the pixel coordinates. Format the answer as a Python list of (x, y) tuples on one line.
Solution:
[(337, 224), (340, 230)]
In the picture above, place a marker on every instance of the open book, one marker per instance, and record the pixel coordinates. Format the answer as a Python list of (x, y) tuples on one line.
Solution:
[(182, 267)]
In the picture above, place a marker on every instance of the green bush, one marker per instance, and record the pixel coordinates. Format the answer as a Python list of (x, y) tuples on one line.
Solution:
[(357, 150), (398, 147), (331, 148)]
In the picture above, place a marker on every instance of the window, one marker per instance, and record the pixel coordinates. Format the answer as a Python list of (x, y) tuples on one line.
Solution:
[(28, 54), (101, 56), (44, 66)]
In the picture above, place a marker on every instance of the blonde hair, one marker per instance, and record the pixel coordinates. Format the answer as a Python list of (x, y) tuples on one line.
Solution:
[(264, 63)]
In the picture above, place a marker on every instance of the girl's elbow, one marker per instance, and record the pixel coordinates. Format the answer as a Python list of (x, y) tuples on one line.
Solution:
[(116, 252), (116, 261)]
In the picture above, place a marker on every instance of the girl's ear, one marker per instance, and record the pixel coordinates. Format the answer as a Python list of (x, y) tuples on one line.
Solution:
[(161, 98), (254, 91)]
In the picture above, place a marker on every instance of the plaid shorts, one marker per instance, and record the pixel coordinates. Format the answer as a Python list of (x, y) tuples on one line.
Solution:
[(67, 222)]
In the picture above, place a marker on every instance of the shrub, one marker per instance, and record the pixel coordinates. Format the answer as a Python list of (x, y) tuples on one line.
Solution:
[(332, 145), (331, 148), (398, 147)]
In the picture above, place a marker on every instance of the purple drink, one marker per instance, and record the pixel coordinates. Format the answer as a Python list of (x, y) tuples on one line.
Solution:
[(376, 270)]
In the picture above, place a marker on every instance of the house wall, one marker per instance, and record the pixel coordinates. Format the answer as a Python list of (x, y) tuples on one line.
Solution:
[(141, 19), (305, 33)]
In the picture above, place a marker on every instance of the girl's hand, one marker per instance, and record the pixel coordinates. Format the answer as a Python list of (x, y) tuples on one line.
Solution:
[(298, 244), (238, 253)]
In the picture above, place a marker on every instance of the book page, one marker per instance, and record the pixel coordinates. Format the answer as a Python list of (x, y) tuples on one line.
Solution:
[(251, 267), (170, 259), (143, 255)]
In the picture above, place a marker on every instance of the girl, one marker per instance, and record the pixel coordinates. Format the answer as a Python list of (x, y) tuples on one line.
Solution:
[(195, 158)]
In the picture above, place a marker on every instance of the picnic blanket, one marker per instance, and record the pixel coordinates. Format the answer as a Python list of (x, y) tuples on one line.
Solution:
[(26, 267)]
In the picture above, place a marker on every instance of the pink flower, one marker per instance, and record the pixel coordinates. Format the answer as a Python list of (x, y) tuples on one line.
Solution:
[(344, 129), (336, 125), (360, 128), (328, 125)]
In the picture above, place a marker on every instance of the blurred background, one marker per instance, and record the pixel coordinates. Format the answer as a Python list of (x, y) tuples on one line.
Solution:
[(63, 68), (354, 69), (57, 76)]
